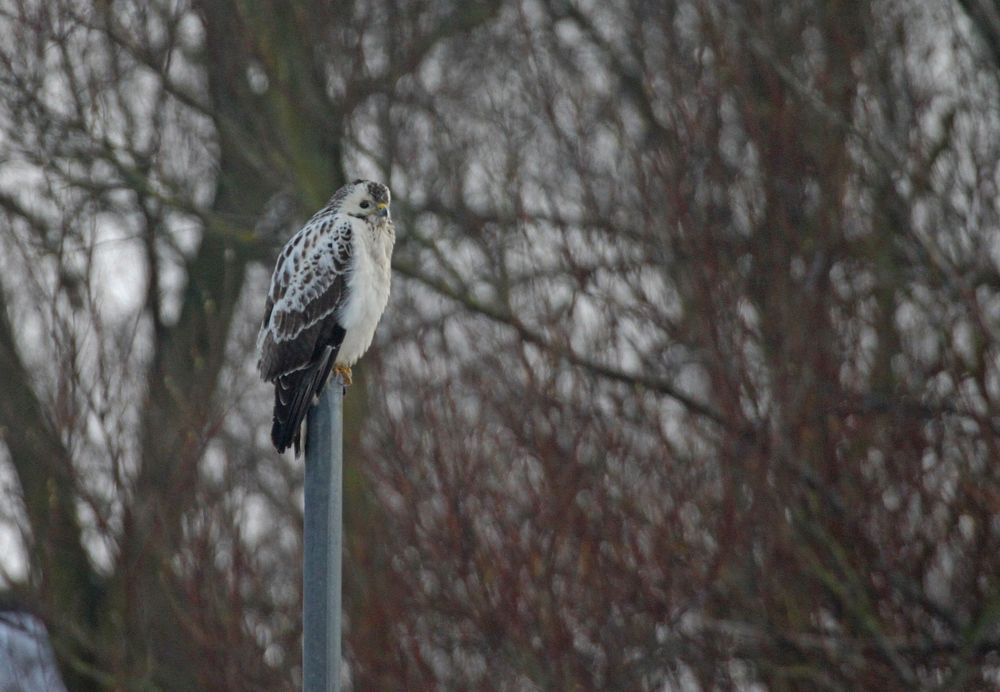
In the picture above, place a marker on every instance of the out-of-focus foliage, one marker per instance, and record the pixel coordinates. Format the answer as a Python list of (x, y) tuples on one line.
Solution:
[(689, 378)]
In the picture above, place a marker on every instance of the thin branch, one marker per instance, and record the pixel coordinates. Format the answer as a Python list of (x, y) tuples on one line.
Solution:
[(503, 316)]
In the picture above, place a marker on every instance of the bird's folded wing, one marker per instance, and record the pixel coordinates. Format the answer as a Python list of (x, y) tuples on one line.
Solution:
[(308, 287)]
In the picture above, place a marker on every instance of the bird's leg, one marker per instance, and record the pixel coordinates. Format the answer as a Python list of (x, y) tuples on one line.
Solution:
[(344, 372)]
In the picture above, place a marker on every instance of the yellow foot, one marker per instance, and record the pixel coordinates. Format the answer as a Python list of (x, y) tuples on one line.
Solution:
[(344, 373)]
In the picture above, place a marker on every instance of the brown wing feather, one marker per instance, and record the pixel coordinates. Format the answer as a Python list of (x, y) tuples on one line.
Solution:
[(299, 337), (287, 355), (294, 394), (308, 286)]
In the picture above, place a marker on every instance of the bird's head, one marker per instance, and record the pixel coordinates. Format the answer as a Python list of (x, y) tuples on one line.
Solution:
[(364, 199)]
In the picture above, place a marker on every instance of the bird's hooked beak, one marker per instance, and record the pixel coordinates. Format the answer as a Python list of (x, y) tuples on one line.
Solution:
[(382, 209)]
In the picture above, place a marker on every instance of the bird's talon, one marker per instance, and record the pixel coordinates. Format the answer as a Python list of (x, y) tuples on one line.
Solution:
[(344, 373)]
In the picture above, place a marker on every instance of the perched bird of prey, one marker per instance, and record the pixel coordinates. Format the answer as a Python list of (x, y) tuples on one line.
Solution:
[(328, 291)]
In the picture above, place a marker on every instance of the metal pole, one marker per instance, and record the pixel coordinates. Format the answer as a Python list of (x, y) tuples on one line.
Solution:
[(323, 540)]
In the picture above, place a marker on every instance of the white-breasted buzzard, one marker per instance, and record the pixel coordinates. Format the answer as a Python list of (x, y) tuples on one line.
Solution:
[(329, 289)]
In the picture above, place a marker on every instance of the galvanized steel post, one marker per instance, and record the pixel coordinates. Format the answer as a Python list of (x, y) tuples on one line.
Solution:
[(323, 536)]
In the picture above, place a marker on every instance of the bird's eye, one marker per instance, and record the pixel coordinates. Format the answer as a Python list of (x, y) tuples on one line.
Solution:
[(365, 205)]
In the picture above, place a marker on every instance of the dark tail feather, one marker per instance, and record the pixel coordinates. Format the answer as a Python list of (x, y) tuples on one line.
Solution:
[(293, 395)]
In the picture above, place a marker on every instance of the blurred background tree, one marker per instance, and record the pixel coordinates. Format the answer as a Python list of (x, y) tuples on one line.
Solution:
[(689, 378)]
